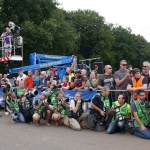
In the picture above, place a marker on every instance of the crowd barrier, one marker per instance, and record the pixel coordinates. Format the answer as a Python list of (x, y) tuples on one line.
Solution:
[(86, 94)]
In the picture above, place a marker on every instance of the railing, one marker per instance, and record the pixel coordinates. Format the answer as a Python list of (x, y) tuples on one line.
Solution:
[(15, 44), (112, 96), (2, 47), (129, 95)]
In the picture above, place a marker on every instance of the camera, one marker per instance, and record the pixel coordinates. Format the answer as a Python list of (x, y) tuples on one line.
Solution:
[(15, 112), (40, 113), (85, 100), (2, 85), (96, 67), (90, 89), (15, 30), (74, 56), (33, 92), (147, 124), (102, 121), (117, 110), (44, 101), (57, 86), (42, 90), (64, 99), (147, 104)]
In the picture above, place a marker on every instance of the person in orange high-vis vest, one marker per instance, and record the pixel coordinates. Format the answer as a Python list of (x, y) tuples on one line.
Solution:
[(138, 83)]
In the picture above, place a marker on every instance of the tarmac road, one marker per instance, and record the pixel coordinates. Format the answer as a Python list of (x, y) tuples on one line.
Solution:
[(19, 136)]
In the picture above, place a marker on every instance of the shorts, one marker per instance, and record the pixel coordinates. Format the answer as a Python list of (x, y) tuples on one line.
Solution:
[(36, 115), (51, 107), (7, 48), (56, 115)]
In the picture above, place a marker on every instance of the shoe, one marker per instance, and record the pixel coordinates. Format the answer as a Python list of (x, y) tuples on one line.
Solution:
[(13, 120), (83, 127), (6, 113), (132, 131), (48, 124), (130, 124), (123, 132), (38, 123), (106, 127), (56, 124), (0, 115), (50, 121), (67, 125)]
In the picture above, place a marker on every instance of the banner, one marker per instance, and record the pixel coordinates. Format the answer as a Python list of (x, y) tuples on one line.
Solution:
[(69, 93), (85, 94), (1, 90)]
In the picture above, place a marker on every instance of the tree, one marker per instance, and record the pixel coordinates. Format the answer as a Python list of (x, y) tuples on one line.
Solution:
[(87, 24), (50, 30), (135, 49), (28, 10), (142, 51), (43, 26)]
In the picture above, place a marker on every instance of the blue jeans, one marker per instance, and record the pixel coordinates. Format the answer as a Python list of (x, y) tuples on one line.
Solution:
[(144, 135), (19, 117), (113, 126)]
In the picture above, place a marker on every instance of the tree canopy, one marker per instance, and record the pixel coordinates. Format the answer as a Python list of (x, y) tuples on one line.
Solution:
[(48, 29)]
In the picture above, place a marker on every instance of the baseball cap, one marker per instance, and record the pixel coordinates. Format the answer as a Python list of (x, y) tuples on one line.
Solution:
[(45, 93), (43, 72), (53, 70)]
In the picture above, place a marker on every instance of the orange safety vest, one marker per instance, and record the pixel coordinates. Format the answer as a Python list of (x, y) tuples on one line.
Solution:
[(138, 83)]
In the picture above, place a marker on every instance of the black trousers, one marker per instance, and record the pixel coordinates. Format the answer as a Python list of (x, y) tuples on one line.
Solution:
[(28, 115)]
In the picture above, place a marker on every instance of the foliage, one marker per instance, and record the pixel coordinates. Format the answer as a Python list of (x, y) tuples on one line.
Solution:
[(43, 27), (49, 30)]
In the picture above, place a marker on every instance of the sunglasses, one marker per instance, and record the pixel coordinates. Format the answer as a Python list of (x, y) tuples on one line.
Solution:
[(124, 64), (145, 66), (109, 68)]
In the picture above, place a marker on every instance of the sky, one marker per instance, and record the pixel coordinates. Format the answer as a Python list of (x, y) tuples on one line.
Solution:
[(134, 14)]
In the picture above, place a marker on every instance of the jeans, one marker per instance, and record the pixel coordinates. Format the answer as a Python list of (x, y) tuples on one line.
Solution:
[(113, 126), (19, 117), (144, 135)]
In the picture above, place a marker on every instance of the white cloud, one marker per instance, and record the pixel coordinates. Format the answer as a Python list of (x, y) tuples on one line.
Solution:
[(128, 13)]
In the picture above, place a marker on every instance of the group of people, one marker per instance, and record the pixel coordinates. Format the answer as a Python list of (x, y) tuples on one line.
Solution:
[(112, 111)]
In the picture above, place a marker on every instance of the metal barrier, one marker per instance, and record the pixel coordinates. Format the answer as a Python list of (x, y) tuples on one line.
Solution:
[(112, 96), (16, 46), (129, 95)]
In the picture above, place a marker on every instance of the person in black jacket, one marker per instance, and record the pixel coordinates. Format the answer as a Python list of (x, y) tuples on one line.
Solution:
[(99, 110)]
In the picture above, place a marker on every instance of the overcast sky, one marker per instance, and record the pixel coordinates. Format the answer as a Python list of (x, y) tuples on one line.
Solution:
[(127, 13)]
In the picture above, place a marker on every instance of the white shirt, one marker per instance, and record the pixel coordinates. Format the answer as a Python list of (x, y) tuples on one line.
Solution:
[(72, 105), (21, 78)]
